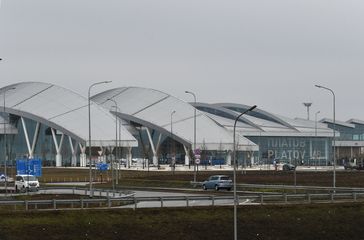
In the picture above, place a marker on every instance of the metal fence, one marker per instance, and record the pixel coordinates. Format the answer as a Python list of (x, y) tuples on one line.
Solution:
[(282, 188), (301, 188)]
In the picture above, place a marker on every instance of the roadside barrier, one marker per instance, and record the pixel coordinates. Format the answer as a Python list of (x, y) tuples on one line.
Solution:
[(106, 199), (283, 188)]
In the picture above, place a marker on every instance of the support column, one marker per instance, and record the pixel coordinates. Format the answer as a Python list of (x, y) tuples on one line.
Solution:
[(327, 152), (35, 137), (82, 155), (128, 158), (102, 156), (159, 142), (155, 157), (58, 148), (187, 156), (158, 145), (73, 150), (228, 158), (311, 158)]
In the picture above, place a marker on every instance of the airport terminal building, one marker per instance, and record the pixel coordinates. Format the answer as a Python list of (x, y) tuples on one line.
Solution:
[(280, 139), (41, 120)]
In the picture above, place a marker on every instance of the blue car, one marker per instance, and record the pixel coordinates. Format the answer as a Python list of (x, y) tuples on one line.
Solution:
[(218, 182)]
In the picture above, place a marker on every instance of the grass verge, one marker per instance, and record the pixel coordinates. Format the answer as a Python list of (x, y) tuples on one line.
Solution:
[(339, 221)]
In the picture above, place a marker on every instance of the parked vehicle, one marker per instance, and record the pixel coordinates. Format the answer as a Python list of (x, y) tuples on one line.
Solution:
[(353, 166), (288, 167), (8, 179), (26, 183), (218, 182)]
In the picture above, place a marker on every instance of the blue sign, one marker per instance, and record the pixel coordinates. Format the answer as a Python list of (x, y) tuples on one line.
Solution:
[(102, 166), (29, 167), (213, 162)]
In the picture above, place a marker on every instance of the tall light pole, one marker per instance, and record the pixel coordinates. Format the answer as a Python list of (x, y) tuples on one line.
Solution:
[(316, 158), (333, 95), (89, 130), (308, 105), (173, 155), (234, 156), (194, 134), (116, 140), (5, 149)]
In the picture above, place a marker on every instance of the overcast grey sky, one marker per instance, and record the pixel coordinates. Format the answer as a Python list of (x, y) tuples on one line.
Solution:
[(264, 52)]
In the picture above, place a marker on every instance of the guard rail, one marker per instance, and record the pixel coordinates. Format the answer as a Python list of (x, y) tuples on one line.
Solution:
[(187, 201)]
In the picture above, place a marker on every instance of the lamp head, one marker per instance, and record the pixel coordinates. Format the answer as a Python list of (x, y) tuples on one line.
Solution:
[(252, 108), (319, 86), (307, 104)]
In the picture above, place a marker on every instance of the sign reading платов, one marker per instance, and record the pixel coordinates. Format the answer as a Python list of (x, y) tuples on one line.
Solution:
[(289, 149)]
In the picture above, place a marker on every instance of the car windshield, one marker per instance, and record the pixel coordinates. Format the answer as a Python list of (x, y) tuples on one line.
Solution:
[(30, 178), (225, 178)]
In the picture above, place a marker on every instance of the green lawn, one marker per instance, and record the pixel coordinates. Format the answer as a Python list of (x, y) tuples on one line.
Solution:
[(255, 222)]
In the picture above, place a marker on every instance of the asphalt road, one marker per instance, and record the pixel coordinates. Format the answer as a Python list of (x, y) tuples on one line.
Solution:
[(140, 194)]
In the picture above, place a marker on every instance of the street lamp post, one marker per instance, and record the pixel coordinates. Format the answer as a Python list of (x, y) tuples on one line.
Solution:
[(334, 157), (89, 130), (234, 160), (173, 155), (116, 142), (194, 134), (116, 139), (5, 148), (316, 158), (307, 105)]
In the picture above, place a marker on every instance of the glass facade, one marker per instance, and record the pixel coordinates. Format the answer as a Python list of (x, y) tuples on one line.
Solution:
[(294, 150), (349, 133), (44, 147), (353, 137)]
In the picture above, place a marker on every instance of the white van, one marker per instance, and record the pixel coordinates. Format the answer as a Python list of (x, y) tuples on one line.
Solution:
[(26, 182)]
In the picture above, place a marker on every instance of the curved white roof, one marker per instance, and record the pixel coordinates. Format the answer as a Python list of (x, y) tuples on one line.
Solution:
[(153, 109), (262, 123), (355, 121), (64, 111), (337, 122)]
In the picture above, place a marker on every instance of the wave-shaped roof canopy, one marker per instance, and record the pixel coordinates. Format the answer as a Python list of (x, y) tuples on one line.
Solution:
[(153, 109), (263, 123), (65, 111)]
